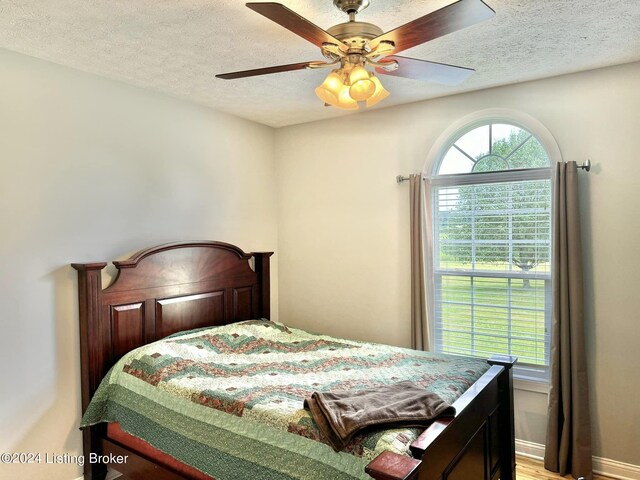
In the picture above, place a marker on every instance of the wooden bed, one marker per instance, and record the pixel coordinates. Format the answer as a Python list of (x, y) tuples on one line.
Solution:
[(180, 286)]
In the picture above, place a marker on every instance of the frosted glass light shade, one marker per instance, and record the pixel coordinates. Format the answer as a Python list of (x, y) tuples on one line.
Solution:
[(358, 73), (329, 91), (380, 93), (345, 101), (361, 86)]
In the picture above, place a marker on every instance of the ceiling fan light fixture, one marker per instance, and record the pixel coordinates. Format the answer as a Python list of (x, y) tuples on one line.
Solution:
[(329, 91), (380, 94)]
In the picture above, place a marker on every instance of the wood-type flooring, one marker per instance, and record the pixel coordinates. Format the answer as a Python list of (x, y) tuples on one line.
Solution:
[(530, 469)]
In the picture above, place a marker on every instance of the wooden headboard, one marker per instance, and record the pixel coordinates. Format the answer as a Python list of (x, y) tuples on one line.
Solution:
[(163, 290)]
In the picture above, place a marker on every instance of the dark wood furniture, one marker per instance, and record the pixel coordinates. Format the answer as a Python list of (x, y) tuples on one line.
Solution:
[(180, 286)]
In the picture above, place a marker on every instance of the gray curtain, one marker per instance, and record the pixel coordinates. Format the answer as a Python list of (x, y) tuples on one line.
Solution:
[(568, 446), (420, 331)]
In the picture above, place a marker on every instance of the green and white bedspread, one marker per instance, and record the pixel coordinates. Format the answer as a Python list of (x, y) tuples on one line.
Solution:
[(228, 400)]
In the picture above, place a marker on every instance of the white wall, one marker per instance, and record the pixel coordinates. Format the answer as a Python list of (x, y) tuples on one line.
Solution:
[(91, 170), (344, 230)]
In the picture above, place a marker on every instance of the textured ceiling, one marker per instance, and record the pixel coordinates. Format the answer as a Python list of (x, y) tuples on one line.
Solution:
[(178, 46)]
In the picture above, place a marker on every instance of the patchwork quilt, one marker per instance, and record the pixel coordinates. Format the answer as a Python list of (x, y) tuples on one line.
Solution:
[(228, 400)]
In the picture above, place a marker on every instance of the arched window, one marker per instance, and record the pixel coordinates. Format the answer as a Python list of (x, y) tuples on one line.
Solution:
[(491, 222)]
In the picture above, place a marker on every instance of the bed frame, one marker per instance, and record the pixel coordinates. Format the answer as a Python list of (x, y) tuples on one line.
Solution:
[(180, 286)]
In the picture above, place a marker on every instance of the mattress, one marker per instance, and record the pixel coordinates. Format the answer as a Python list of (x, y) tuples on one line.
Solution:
[(228, 400)]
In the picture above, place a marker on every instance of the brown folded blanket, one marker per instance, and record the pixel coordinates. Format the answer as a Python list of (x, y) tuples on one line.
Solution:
[(341, 415)]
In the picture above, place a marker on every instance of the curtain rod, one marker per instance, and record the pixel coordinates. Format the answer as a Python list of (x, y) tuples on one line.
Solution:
[(586, 166)]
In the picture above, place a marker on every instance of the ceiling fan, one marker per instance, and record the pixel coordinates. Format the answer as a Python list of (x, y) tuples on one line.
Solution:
[(352, 45)]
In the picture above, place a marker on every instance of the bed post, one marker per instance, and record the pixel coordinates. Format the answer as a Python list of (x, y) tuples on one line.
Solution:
[(393, 466), (506, 428), (262, 268), (92, 354)]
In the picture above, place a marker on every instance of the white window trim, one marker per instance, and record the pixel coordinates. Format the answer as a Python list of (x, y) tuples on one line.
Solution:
[(490, 115), (466, 124)]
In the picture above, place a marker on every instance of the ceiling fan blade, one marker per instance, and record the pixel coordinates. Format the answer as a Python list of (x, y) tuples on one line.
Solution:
[(427, 71), (451, 18), (265, 71), (295, 23)]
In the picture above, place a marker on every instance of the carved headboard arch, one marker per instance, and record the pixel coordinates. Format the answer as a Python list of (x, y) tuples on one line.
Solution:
[(162, 290)]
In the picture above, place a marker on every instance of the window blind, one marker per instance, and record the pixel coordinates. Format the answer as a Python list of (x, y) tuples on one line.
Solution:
[(491, 267)]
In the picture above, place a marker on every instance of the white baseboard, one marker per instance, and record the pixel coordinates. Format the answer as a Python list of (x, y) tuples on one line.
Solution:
[(530, 449), (601, 466), (615, 469)]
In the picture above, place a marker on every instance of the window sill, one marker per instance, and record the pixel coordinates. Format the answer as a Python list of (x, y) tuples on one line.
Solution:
[(531, 386)]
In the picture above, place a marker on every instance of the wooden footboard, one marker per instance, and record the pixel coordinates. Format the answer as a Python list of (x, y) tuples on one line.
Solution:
[(182, 286), (477, 444)]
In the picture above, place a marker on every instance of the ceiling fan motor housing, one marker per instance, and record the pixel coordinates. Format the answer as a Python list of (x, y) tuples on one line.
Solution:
[(356, 35), (351, 6)]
